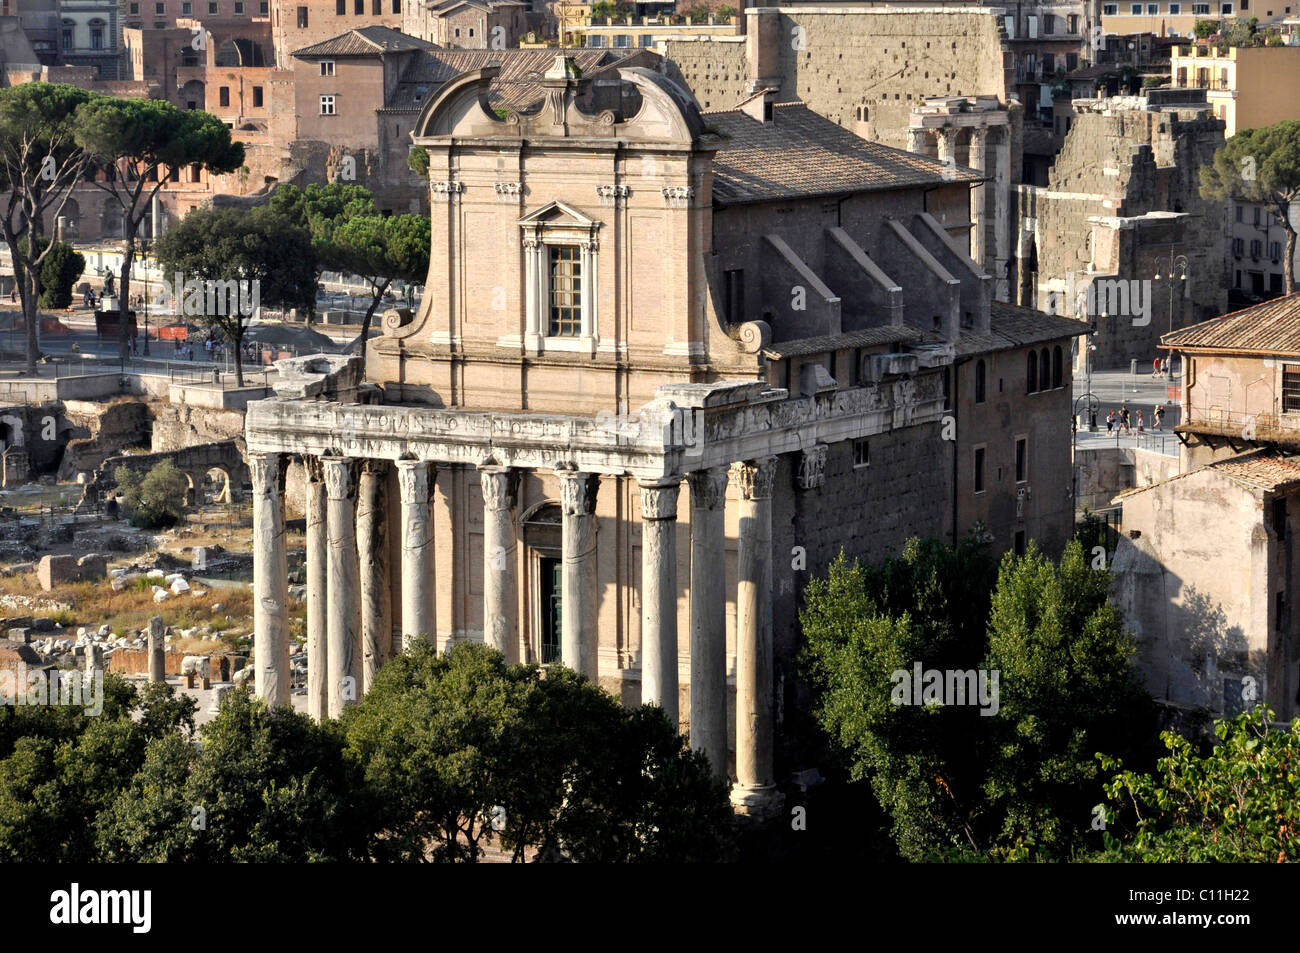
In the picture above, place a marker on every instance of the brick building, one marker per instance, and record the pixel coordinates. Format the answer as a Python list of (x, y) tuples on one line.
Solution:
[(468, 24), (1208, 572), (625, 296)]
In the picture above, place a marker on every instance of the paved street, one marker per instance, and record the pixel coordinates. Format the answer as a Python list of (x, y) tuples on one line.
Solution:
[(1114, 388)]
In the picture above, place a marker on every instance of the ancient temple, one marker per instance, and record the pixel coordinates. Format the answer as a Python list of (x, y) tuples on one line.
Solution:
[(666, 366)]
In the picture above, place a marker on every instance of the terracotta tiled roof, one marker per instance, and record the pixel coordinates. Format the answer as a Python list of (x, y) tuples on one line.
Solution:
[(1013, 326), (1263, 469), (365, 41), (1269, 328), (802, 154), (515, 88)]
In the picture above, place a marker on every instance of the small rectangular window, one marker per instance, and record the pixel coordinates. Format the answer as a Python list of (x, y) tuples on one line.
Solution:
[(979, 469), (1019, 543), (302, 18), (327, 67), (1022, 459), (376, 7), (1291, 388), (223, 96), (257, 96), (239, 8), (861, 453), (1279, 519), (187, 8), (1110, 9), (212, 8), (340, 7), (1175, 9), (327, 106), (263, 8), (359, 7), (397, 6), (1153, 9), (1237, 212), (1135, 9)]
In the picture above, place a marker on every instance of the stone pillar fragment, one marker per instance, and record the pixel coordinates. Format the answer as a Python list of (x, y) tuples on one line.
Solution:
[(317, 586), (754, 792), (500, 614), (579, 638), (415, 480), (709, 616), (157, 656), (372, 551), (659, 595), (343, 629), (270, 579)]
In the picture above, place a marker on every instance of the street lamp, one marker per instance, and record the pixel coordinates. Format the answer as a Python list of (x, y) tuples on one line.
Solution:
[(1177, 266)]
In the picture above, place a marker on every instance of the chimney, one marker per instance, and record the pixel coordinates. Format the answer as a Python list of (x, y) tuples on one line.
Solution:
[(760, 105)]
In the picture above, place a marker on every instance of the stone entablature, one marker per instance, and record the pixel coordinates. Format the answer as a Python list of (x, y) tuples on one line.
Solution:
[(706, 425)]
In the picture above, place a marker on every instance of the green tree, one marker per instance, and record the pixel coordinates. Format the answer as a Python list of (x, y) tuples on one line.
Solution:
[(950, 776), (1240, 33), (1240, 803), (135, 144), (1068, 690), (40, 164), (864, 623), (1204, 29), (59, 272), (156, 501), (262, 246), (64, 768), (350, 236), (381, 249), (267, 785), (462, 749), (1261, 166), (418, 161)]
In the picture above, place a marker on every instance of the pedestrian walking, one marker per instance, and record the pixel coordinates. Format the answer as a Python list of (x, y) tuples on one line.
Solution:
[(1165, 367), (1141, 422), (1155, 367), (1110, 422), (1124, 419), (1159, 415)]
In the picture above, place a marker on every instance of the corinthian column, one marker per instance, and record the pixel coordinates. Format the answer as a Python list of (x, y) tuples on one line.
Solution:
[(343, 631), (500, 617), (754, 792), (415, 478), (270, 579), (659, 595), (372, 550), (579, 639), (317, 584), (709, 616)]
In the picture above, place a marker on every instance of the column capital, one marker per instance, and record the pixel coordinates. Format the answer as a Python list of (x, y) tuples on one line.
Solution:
[(415, 480), (374, 465), (755, 477), (340, 477), (315, 470), (659, 498), (708, 487), (577, 492), (266, 471), (500, 487)]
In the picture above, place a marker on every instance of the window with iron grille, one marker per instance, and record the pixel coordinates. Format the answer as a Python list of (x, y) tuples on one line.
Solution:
[(1291, 388), (566, 291)]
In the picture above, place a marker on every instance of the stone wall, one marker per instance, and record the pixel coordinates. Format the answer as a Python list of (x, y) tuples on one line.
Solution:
[(98, 431), (177, 426), (1198, 576), (840, 60), (1121, 200)]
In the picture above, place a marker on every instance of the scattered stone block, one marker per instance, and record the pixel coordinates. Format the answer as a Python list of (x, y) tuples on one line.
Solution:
[(161, 595), (179, 586)]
